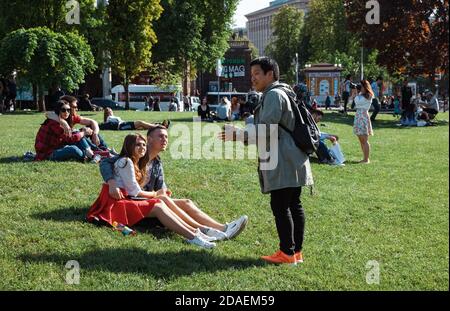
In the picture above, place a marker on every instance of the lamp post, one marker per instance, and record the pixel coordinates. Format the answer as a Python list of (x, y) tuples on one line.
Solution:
[(219, 69), (296, 68)]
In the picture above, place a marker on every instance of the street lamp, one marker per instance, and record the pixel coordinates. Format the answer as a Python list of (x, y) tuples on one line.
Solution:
[(296, 68)]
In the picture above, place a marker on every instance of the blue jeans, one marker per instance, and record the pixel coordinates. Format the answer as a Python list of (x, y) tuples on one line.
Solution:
[(71, 152), (102, 145)]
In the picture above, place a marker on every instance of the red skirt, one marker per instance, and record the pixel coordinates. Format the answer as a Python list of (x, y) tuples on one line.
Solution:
[(127, 212)]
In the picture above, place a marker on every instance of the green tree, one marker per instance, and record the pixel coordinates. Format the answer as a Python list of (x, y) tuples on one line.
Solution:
[(193, 34), (412, 36), (131, 37), (326, 27), (45, 58), (288, 26)]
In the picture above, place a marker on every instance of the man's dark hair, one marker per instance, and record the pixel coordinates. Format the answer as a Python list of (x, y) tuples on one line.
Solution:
[(318, 112), (267, 64), (154, 128), (348, 77), (380, 78)]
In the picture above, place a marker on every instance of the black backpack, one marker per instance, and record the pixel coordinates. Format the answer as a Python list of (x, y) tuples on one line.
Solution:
[(306, 134)]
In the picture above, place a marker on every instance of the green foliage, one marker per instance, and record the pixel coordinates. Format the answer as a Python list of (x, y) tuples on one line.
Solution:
[(394, 211), (131, 36), (193, 32), (52, 14), (44, 57), (325, 25), (162, 74), (288, 27)]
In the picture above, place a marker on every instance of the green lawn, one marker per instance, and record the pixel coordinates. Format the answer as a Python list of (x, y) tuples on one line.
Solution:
[(394, 211)]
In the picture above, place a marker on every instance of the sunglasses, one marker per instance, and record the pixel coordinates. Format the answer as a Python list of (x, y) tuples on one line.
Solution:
[(65, 110)]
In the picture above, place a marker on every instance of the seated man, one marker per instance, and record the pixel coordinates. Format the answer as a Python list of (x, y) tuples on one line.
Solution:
[(431, 105), (157, 139), (323, 153)]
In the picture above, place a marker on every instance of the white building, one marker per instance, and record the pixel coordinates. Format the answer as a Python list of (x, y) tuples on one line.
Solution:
[(259, 25)]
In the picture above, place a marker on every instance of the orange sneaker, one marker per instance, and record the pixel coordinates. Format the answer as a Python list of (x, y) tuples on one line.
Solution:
[(298, 257), (279, 257)]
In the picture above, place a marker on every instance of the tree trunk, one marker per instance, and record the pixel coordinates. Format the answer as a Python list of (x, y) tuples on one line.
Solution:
[(41, 100), (187, 78), (35, 98), (127, 93)]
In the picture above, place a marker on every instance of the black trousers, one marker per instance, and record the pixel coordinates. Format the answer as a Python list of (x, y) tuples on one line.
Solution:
[(376, 108), (345, 97), (289, 218)]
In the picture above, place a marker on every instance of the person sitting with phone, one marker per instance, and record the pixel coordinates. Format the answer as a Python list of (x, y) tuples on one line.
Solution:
[(158, 140), (323, 153), (130, 176)]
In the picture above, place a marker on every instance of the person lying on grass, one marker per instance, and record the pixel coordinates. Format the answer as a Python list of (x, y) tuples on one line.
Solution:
[(111, 122), (130, 175), (157, 138), (55, 144)]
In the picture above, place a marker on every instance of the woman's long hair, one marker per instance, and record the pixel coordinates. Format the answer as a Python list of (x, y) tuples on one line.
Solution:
[(369, 92), (140, 165), (57, 110)]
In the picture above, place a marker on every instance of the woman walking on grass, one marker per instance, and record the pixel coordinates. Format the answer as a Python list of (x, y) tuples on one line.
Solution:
[(362, 126), (130, 174)]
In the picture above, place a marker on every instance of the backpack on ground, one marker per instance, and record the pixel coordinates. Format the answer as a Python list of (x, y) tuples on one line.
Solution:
[(306, 134)]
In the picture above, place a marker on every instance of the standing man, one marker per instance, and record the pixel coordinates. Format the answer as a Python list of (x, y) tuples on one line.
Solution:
[(347, 86), (284, 180), (377, 87)]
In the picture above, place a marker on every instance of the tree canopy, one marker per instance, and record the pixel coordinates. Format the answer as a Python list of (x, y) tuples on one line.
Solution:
[(288, 27), (412, 36), (46, 58), (131, 36)]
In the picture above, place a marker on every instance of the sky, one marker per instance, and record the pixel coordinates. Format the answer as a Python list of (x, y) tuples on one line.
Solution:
[(248, 6)]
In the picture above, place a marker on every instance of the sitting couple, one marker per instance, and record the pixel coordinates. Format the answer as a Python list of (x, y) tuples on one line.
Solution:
[(138, 172), (57, 140)]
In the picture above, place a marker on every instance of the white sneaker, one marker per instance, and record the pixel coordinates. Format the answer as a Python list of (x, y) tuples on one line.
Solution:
[(214, 233), (202, 243), (236, 227), (204, 236)]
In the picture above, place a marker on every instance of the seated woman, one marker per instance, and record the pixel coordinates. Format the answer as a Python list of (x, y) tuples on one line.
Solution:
[(130, 174), (203, 111), (95, 141), (235, 109), (53, 142), (111, 122)]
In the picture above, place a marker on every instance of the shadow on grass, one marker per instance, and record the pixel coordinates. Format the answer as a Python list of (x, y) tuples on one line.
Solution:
[(20, 112), (76, 214), (168, 265), (336, 117), (14, 160)]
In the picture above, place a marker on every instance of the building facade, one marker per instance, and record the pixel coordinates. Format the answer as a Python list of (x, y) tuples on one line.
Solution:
[(236, 76), (259, 25), (322, 80)]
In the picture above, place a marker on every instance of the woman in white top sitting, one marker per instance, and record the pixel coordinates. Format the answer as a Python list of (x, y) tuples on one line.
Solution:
[(130, 174), (111, 122), (362, 126)]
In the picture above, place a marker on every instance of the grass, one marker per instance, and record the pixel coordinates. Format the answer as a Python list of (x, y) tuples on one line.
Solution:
[(394, 211)]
